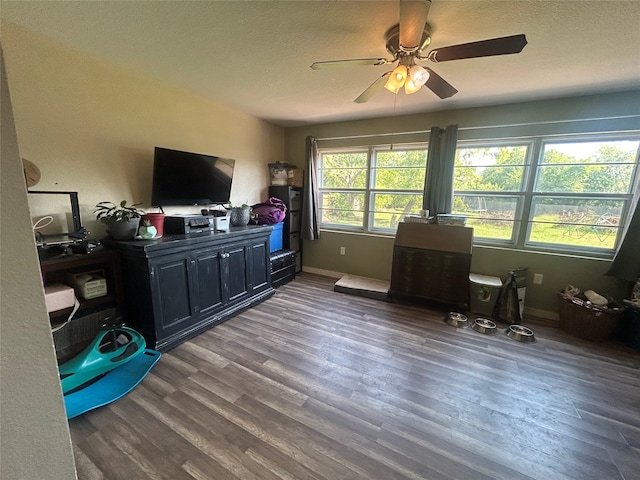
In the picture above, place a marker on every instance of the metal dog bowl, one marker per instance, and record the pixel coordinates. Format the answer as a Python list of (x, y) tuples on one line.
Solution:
[(520, 333), (485, 326), (457, 320)]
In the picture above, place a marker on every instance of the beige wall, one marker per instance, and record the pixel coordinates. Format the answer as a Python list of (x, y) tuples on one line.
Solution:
[(91, 127), (370, 255), (34, 434)]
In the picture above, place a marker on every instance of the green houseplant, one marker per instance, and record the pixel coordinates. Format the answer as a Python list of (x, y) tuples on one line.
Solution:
[(122, 220)]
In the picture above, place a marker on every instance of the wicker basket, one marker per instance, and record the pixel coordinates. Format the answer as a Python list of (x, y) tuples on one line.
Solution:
[(585, 320)]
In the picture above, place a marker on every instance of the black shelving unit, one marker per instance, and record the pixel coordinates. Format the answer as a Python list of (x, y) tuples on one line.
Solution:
[(291, 229)]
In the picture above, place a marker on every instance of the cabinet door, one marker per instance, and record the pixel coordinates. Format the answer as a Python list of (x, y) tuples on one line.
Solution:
[(235, 273), (174, 299), (259, 266), (208, 276)]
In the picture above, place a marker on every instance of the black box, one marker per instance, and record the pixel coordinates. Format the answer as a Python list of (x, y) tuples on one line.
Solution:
[(283, 267), (186, 224)]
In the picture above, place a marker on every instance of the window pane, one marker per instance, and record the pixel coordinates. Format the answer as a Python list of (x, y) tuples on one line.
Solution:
[(401, 158), (497, 169), (580, 222), (391, 208), (491, 217), (343, 170), (400, 170), (590, 167), (342, 208)]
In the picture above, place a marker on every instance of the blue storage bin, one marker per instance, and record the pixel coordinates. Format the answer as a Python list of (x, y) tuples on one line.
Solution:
[(275, 241)]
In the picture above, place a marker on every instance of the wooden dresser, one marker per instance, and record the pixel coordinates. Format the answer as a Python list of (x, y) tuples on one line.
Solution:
[(431, 262)]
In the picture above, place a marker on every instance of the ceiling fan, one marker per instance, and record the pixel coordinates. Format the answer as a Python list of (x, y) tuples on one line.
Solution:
[(406, 42)]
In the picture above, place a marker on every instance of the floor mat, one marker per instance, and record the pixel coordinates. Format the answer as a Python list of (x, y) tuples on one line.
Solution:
[(362, 286), (112, 386)]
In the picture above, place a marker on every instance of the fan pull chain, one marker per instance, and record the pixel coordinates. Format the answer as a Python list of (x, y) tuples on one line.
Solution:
[(393, 121)]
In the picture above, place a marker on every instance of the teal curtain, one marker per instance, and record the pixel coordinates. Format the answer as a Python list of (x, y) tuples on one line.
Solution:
[(626, 263), (310, 229), (438, 183)]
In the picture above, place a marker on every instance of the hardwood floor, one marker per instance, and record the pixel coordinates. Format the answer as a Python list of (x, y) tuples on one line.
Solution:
[(314, 384)]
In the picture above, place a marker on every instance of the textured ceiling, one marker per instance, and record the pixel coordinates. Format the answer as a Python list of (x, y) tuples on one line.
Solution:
[(254, 56)]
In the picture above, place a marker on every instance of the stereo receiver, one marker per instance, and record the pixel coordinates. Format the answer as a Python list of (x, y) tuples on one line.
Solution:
[(186, 224)]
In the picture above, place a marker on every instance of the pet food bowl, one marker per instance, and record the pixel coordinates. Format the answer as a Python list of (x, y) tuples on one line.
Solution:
[(457, 320), (520, 333), (485, 326)]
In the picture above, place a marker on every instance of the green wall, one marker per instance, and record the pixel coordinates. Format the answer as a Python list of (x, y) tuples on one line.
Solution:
[(370, 255)]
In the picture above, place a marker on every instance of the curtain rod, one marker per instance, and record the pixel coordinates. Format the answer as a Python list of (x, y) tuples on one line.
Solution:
[(486, 127)]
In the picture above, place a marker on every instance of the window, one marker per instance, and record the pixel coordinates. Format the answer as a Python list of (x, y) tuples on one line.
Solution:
[(488, 184), (370, 189), (569, 195), (582, 192)]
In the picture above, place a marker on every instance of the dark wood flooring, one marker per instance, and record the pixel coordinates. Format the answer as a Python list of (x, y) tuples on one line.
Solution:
[(314, 384)]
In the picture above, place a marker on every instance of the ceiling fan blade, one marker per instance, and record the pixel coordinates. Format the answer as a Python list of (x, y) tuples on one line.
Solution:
[(483, 48), (356, 62), (374, 88), (439, 85), (413, 17)]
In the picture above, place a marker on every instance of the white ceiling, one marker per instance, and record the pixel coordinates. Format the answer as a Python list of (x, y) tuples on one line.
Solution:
[(254, 56)]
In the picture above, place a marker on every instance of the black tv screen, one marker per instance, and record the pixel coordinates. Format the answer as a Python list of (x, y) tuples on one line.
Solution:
[(184, 178)]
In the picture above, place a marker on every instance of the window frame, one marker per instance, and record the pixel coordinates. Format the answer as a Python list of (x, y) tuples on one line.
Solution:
[(526, 196), (521, 236), (520, 195), (627, 198), (369, 191)]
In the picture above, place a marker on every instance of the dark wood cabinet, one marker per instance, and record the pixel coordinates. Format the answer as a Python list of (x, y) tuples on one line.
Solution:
[(431, 262), (178, 286), (292, 226)]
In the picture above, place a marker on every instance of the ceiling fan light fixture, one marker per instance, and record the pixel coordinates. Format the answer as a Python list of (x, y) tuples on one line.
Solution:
[(396, 79), (410, 87), (418, 75)]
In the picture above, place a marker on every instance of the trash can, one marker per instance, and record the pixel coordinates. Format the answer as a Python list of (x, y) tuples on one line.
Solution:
[(483, 292)]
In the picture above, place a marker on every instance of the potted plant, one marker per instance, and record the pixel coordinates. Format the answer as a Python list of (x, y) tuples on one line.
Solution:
[(147, 230), (122, 220), (151, 222), (240, 216)]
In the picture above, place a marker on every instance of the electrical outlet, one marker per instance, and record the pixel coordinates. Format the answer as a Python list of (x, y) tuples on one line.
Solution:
[(537, 278), (343, 251)]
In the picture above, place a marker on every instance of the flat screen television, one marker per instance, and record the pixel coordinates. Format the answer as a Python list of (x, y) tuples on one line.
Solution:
[(185, 178)]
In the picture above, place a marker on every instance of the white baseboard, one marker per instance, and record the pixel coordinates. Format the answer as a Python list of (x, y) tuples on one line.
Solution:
[(324, 273), (528, 311), (546, 314)]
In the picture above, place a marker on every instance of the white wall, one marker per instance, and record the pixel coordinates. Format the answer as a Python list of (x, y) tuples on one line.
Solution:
[(34, 434)]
